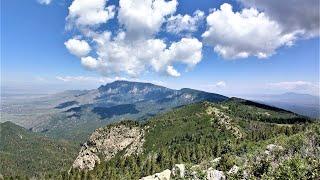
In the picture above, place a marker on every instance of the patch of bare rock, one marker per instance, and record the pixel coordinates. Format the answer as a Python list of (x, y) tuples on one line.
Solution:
[(107, 142)]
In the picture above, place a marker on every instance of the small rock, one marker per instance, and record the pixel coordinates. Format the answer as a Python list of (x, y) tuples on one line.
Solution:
[(164, 175), (245, 174), (194, 175), (272, 147), (233, 170), (213, 174), (216, 160), (178, 170)]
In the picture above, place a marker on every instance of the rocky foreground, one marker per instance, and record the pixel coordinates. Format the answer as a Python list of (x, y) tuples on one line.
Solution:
[(207, 169)]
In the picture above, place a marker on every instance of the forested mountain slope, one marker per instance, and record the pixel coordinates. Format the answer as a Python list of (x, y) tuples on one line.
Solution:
[(258, 140), (25, 153)]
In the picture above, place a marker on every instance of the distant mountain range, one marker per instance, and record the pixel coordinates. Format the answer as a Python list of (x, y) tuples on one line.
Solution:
[(303, 104), (74, 114)]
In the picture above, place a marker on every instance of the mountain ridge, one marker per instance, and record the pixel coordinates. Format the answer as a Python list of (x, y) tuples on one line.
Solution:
[(195, 135), (26, 153), (74, 114), (231, 131), (305, 104)]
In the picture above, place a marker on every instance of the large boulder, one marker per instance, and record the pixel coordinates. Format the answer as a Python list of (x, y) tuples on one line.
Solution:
[(178, 170)]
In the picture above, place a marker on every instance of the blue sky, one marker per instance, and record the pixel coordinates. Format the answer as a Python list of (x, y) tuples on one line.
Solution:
[(35, 57)]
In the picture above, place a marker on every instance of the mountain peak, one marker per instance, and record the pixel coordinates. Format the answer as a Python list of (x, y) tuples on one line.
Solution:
[(129, 85)]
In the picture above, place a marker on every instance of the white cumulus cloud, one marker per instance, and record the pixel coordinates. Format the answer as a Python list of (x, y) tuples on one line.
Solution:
[(77, 47), (172, 72), (143, 18), (245, 33), (133, 48), (293, 15), (89, 12), (117, 56), (187, 51), (184, 23), (89, 62)]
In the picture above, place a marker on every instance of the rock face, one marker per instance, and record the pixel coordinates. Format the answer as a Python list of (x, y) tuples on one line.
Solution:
[(107, 142), (164, 175)]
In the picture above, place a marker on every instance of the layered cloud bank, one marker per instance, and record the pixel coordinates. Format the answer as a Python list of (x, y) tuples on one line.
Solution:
[(132, 39)]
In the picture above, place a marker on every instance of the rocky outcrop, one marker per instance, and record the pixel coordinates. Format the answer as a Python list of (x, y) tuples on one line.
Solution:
[(107, 142), (87, 159), (224, 121)]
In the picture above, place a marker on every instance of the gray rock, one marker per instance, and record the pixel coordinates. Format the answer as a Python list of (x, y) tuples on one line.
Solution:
[(164, 175), (216, 161), (272, 147), (233, 170), (86, 160), (213, 174), (107, 142), (178, 170)]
